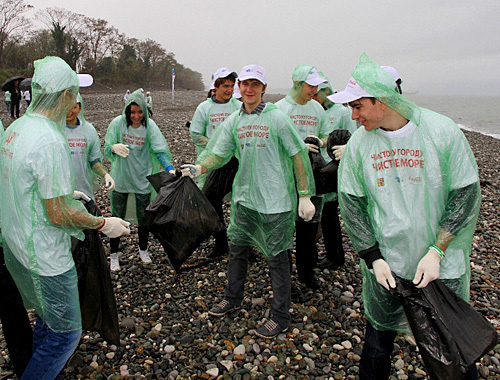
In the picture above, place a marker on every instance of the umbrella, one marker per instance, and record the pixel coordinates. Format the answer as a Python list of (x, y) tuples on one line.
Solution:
[(25, 84), (9, 83)]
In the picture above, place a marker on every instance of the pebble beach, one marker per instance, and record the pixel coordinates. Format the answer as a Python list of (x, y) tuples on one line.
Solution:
[(165, 329)]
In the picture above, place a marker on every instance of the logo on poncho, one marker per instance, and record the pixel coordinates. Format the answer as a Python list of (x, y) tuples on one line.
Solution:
[(380, 182)]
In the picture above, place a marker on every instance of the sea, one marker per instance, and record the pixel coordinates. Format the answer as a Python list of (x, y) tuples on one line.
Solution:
[(475, 113)]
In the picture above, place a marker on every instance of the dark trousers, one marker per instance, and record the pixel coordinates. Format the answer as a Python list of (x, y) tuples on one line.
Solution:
[(120, 209), (332, 234), (306, 254), (15, 323), (14, 106), (376, 356), (279, 271)]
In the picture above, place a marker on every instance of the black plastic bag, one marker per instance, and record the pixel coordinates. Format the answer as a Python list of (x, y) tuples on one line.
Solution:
[(97, 299), (180, 217), (336, 137), (450, 334), (325, 174), (219, 182)]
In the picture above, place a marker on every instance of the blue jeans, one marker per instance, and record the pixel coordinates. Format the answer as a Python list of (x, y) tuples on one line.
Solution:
[(51, 350), (279, 271), (376, 356)]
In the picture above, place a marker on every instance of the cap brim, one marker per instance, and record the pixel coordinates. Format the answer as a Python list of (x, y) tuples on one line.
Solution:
[(251, 77), (85, 80), (315, 81), (343, 97)]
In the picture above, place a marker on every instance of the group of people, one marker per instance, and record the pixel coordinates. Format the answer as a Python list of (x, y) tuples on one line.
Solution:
[(13, 97), (408, 191)]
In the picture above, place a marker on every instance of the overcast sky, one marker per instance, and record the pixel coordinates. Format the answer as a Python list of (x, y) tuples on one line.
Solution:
[(438, 47)]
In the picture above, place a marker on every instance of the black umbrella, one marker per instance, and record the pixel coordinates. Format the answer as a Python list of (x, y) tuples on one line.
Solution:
[(25, 84), (9, 83)]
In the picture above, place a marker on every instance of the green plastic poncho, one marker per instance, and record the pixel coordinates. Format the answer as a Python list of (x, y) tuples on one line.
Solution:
[(264, 199), (340, 117), (85, 148), (209, 115), (145, 143), (401, 189), (38, 213), (207, 118), (309, 119)]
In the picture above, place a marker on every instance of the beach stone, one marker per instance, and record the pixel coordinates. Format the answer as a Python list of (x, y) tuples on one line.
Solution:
[(214, 372), (400, 364), (228, 364), (239, 350), (169, 349), (347, 344), (128, 323)]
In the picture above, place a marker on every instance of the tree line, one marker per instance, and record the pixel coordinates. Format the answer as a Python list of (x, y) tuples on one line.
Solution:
[(88, 45)]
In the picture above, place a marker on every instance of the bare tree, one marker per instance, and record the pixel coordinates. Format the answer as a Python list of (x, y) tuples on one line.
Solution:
[(12, 23)]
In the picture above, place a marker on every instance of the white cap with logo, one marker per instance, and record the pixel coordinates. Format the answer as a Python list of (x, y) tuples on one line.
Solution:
[(352, 92), (223, 72), (253, 72), (314, 79)]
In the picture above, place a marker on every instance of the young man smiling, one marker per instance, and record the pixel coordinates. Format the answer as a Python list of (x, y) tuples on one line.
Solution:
[(264, 201), (409, 197), (208, 116), (310, 120)]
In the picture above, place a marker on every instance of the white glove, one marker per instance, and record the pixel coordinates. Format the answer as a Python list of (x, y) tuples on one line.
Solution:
[(338, 151), (428, 269), (306, 208), (121, 150), (78, 195), (114, 227), (172, 171), (189, 170), (109, 182), (312, 148), (383, 274)]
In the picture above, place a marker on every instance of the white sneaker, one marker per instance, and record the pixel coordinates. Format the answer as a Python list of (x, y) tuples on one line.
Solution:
[(114, 262), (145, 257)]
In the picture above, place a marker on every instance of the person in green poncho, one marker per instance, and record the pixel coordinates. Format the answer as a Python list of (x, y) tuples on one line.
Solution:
[(136, 149), (339, 117), (209, 115), (85, 149), (264, 196), (39, 216), (310, 121), (409, 197)]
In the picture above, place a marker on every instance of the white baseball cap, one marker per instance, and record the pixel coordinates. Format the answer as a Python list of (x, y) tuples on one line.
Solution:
[(352, 92), (223, 72), (314, 79), (253, 72), (391, 70), (85, 80)]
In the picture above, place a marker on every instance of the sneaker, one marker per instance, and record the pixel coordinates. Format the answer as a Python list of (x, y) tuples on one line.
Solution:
[(270, 329), (222, 308), (114, 262), (145, 257)]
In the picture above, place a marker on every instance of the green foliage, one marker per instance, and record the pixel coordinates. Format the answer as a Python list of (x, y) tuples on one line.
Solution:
[(94, 47)]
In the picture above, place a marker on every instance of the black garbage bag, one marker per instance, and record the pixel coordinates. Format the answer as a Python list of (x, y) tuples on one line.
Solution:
[(336, 137), (219, 182), (180, 217), (450, 334), (97, 299), (325, 174)]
